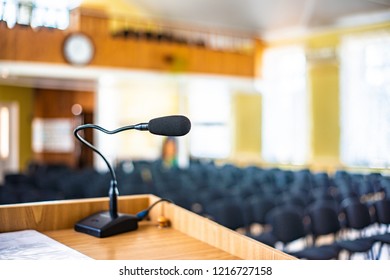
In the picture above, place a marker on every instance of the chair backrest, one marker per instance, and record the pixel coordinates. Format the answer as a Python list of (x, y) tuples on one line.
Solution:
[(349, 200), (294, 199), (257, 208), (323, 218), (228, 212), (357, 215), (382, 211), (287, 223)]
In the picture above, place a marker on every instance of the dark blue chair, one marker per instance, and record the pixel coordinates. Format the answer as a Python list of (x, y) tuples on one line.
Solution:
[(358, 219), (382, 213), (228, 212), (286, 225), (323, 220)]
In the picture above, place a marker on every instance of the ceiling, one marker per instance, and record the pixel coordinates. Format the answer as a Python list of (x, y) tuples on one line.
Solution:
[(266, 18)]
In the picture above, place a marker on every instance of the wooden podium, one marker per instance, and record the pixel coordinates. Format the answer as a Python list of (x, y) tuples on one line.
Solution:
[(189, 236)]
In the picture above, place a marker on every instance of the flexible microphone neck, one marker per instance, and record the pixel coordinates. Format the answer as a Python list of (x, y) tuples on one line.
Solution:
[(113, 191), (142, 126)]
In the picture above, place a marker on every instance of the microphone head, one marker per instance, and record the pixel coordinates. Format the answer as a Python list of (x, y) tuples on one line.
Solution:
[(170, 126)]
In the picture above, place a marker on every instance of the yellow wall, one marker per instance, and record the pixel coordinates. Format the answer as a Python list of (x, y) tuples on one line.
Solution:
[(121, 13), (24, 98), (247, 122), (114, 7), (325, 134)]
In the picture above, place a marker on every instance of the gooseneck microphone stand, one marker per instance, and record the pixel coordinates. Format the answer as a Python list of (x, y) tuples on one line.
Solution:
[(107, 223)]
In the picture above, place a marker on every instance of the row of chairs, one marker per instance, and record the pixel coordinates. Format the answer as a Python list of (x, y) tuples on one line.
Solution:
[(152, 177), (353, 228)]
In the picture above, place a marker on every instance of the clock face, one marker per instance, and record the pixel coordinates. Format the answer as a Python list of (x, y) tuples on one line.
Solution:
[(78, 49)]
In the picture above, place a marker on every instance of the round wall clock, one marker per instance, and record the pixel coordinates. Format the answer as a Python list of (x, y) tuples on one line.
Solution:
[(78, 49)]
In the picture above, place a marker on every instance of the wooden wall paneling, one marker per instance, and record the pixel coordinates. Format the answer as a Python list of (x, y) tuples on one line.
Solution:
[(8, 42), (50, 103), (246, 65), (185, 53), (258, 57), (93, 21), (196, 60), (153, 54), (168, 57), (125, 52), (41, 45), (179, 61), (105, 54), (162, 56), (148, 54), (56, 158), (213, 62), (53, 103), (229, 63), (165, 55), (108, 53), (133, 52), (86, 99)]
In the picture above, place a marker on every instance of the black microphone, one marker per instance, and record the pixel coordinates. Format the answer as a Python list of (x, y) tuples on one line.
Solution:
[(175, 125), (111, 222)]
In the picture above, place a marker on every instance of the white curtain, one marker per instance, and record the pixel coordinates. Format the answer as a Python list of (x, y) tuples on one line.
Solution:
[(285, 137), (365, 99)]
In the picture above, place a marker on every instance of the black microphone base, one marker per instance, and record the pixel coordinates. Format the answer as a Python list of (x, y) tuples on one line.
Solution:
[(103, 225)]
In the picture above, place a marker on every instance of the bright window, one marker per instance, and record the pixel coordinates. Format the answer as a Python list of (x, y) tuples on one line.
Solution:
[(209, 111), (4, 132), (37, 13), (9, 138), (365, 100), (285, 137)]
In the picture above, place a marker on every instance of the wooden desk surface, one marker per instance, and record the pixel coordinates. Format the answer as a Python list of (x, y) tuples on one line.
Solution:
[(148, 242)]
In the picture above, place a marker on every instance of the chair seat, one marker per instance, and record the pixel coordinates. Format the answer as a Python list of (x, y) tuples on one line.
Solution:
[(384, 238), (324, 252), (360, 245)]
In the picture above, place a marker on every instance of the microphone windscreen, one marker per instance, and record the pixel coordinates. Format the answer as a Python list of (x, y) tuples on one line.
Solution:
[(170, 125)]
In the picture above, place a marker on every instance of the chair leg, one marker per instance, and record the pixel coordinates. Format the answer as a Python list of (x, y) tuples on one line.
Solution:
[(349, 255), (388, 249), (370, 255), (378, 256)]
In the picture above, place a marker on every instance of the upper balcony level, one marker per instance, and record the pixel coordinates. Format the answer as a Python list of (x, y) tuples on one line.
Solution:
[(135, 44)]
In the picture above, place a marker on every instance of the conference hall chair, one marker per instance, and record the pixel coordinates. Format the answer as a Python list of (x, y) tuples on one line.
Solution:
[(323, 222), (382, 213), (358, 220), (228, 212), (285, 226)]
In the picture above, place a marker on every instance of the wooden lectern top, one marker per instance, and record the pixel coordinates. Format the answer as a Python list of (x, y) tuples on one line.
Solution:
[(189, 236)]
